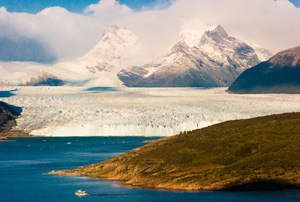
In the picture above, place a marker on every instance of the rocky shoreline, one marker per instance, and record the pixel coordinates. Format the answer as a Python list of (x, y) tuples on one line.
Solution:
[(4, 136)]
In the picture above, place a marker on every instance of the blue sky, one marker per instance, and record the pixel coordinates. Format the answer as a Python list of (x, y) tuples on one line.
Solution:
[(34, 6)]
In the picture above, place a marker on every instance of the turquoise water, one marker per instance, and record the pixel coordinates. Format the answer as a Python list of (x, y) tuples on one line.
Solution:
[(24, 161)]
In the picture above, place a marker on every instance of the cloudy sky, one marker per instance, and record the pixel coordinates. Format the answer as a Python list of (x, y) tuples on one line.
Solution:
[(45, 31)]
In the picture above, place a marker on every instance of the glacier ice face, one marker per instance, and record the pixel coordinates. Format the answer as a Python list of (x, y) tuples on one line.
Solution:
[(88, 129), (73, 111)]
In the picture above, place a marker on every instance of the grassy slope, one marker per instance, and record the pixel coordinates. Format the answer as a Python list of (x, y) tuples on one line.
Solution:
[(259, 153)]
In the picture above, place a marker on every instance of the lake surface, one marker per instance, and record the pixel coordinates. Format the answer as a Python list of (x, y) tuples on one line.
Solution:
[(24, 161)]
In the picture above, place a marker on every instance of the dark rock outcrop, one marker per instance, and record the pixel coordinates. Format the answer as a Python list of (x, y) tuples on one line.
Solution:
[(45, 80), (8, 114)]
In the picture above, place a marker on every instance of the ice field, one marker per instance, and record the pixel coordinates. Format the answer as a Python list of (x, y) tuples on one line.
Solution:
[(76, 111)]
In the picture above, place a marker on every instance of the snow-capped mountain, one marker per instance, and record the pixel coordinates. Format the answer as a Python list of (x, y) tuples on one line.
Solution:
[(212, 58), (116, 50), (99, 67)]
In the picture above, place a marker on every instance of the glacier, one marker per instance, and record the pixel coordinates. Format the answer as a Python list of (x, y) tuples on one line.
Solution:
[(76, 111)]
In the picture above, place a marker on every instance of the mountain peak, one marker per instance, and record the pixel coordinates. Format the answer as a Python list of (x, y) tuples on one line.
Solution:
[(193, 37), (180, 46), (120, 35), (114, 51), (217, 35), (110, 29), (220, 31)]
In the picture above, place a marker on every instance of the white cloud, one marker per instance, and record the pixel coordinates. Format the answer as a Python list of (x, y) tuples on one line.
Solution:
[(106, 8), (271, 24)]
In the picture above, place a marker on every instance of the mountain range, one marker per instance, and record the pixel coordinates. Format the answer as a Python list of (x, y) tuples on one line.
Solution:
[(198, 59), (215, 59)]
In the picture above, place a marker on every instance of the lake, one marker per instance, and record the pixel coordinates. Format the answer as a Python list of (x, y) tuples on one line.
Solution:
[(24, 161)]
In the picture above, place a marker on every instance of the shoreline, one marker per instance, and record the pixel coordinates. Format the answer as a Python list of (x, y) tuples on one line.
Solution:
[(5, 135), (230, 156), (249, 184)]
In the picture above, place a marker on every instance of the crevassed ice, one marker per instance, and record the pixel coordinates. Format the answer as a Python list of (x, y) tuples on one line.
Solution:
[(72, 111)]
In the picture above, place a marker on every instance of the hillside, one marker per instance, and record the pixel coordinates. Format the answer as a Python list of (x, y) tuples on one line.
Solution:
[(280, 74), (254, 154), (8, 114)]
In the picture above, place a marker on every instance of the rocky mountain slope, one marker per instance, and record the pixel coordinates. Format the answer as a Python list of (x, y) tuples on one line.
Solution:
[(252, 154), (8, 115), (280, 74), (211, 59)]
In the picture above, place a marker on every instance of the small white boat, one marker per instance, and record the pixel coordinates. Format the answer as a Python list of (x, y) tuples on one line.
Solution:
[(80, 193)]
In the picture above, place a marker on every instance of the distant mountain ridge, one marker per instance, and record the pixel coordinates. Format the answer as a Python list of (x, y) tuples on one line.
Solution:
[(280, 74), (216, 60), (199, 59)]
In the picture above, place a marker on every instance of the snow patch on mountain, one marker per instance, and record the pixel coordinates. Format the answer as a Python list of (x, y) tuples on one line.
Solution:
[(210, 51)]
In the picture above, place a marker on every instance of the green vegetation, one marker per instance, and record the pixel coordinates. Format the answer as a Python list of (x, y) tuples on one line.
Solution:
[(259, 153)]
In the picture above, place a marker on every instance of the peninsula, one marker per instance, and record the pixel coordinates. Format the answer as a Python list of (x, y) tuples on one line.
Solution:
[(254, 154)]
